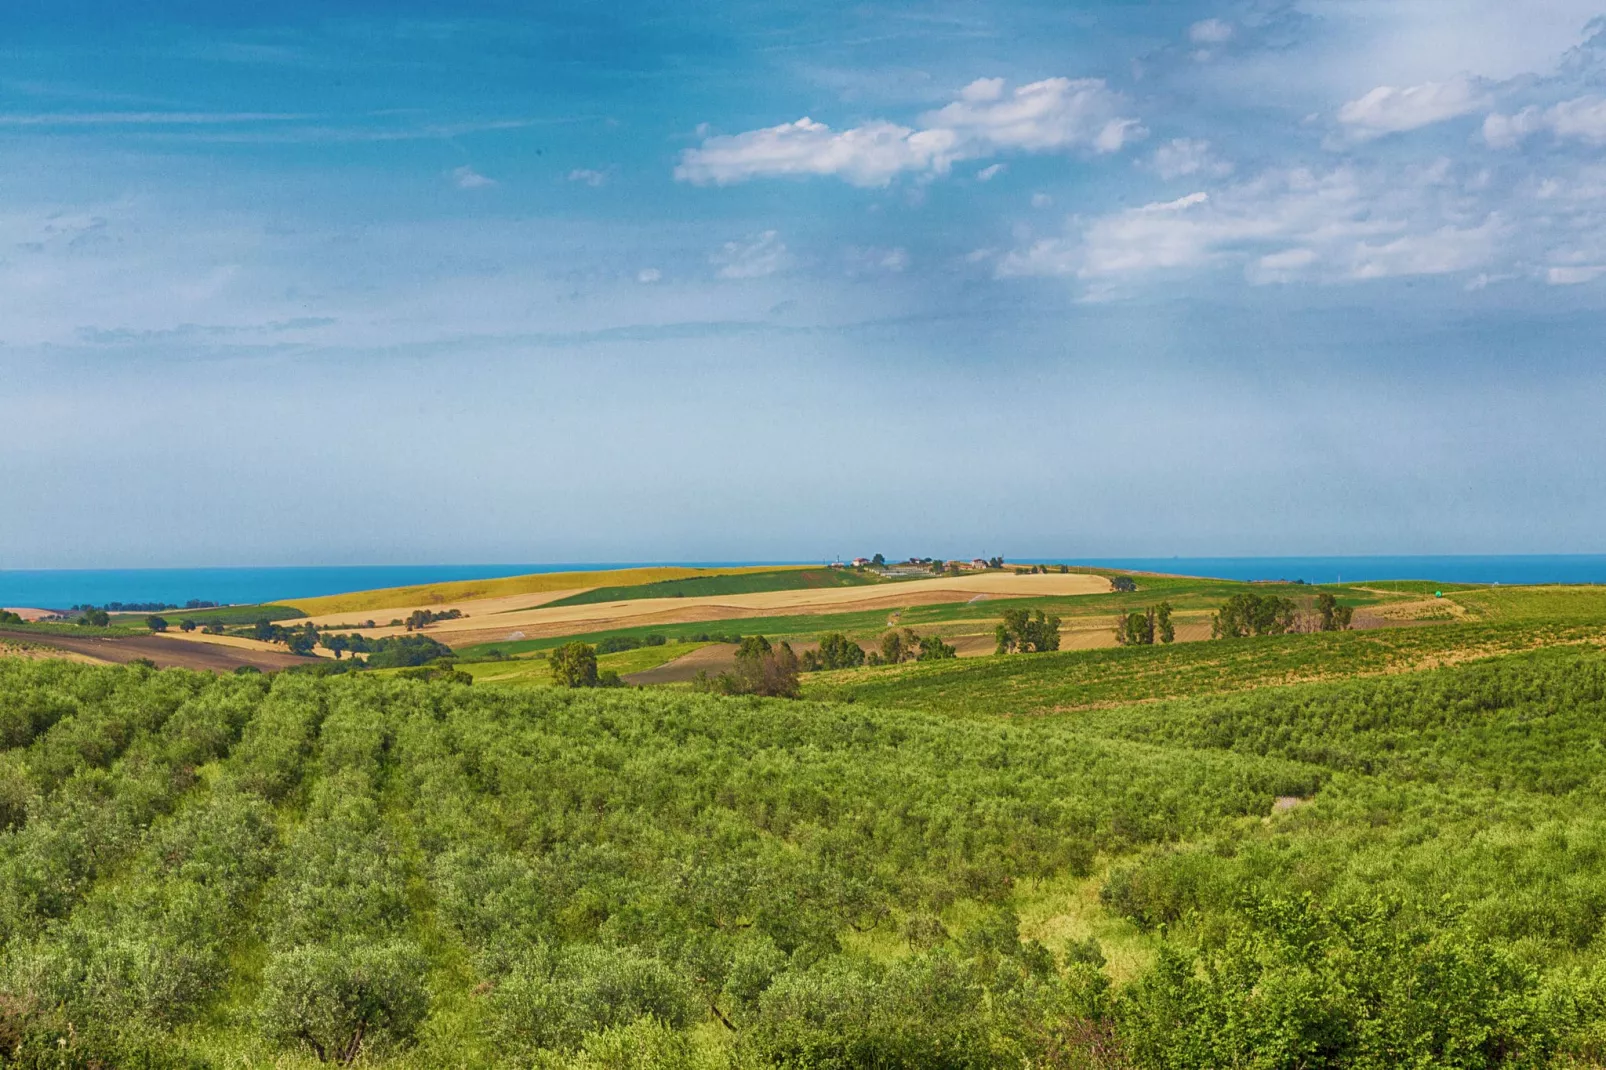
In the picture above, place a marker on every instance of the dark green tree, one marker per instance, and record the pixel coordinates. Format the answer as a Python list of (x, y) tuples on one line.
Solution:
[(1253, 614), (837, 651), (1023, 632), (761, 669), (574, 665), (1334, 617), (301, 641), (1162, 619), (155, 623), (1136, 628)]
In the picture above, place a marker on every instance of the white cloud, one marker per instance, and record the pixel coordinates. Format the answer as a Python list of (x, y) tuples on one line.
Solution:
[(1440, 252), (1280, 226), (1210, 32), (1388, 110), (1582, 119), (1041, 200), (468, 178), (1182, 157), (990, 172), (649, 275), (1574, 275), (1053, 115), (588, 176), (1284, 266), (762, 254)]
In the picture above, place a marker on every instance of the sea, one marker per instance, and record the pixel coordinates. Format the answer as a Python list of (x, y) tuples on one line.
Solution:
[(64, 588), (1493, 568)]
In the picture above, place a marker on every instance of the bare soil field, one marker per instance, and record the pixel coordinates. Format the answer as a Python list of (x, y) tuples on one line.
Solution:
[(168, 652)]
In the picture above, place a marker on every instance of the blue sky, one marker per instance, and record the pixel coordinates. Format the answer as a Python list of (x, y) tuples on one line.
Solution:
[(358, 282)]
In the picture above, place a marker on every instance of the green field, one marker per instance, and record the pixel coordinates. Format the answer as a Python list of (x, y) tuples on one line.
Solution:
[(742, 583), (1293, 851), (535, 672), (1050, 683), (1535, 604), (230, 615)]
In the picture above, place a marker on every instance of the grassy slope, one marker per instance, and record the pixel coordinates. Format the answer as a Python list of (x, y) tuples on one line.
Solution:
[(534, 672), (1048, 683), (742, 583), (1535, 604), (468, 590)]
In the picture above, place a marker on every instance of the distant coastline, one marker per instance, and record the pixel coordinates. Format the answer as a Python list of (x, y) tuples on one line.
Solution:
[(61, 588), (1448, 568)]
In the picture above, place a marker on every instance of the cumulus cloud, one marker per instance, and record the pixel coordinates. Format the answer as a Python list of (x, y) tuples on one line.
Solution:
[(649, 275), (1281, 226), (1580, 119), (760, 255), (987, 118), (468, 178), (990, 172), (1182, 157), (588, 176), (1388, 110)]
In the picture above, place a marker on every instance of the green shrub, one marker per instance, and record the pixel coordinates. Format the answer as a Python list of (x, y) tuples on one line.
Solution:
[(555, 1003), (345, 1000)]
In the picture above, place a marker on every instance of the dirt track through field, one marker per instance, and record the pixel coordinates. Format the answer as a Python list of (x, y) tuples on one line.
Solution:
[(166, 653)]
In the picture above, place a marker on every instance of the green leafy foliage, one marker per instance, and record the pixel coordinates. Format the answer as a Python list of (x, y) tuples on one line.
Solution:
[(574, 665), (1333, 616), (836, 651), (1400, 870), (762, 669), (1253, 614), (1023, 631)]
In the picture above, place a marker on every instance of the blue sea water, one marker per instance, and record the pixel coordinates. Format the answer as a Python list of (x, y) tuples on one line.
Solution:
[(1504, 569), (61, 588)]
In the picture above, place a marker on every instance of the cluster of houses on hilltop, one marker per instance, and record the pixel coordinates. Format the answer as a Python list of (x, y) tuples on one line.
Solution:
[(921, 565)]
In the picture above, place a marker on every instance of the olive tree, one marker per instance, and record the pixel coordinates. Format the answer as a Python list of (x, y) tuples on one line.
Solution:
[(574, 665)]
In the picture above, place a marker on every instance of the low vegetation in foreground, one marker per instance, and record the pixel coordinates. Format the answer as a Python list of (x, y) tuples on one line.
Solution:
[(296, 871)]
